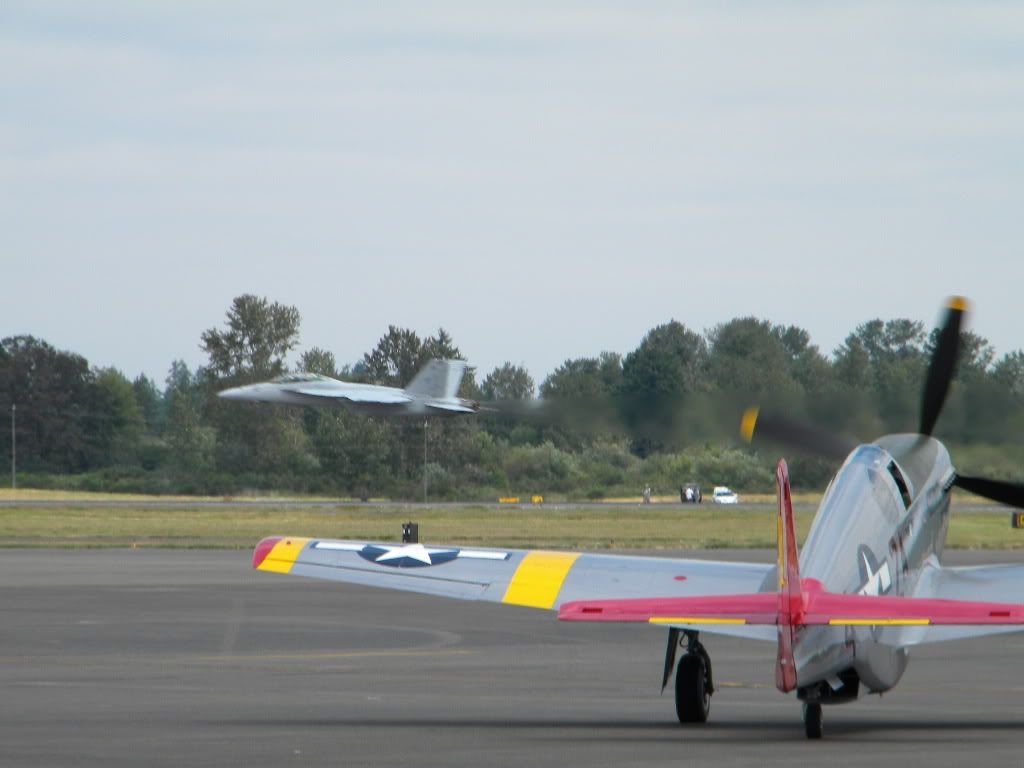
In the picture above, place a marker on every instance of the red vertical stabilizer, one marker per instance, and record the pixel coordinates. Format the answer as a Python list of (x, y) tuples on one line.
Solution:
[(791, 601)]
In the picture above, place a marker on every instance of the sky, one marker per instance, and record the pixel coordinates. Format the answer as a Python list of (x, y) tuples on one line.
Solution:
[(544, 180)]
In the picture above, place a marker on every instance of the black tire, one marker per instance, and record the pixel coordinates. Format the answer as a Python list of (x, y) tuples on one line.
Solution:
[(693, 700), (812, 720)]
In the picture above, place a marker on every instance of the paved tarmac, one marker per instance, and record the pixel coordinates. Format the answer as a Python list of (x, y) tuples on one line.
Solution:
[(152, 658)]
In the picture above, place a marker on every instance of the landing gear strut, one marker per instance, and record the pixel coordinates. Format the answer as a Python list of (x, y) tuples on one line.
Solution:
[(693, 682)]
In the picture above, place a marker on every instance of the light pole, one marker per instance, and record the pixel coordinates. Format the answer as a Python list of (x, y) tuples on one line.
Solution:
[(14, 452), (425, 423)]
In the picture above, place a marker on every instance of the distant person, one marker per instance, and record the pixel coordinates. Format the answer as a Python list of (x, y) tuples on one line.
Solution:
[(647, 494)]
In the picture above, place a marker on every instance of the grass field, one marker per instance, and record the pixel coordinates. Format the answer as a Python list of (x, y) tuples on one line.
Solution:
[(593, 527)]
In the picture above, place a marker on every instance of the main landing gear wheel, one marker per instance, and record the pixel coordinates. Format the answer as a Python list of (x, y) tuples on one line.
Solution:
[(693, 688), (812, 720)]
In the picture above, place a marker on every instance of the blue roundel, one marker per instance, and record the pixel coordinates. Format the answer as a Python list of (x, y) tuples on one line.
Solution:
[(409, 556)]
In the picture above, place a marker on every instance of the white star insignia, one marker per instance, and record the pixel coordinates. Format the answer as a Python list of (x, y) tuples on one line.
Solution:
[(412, 551)]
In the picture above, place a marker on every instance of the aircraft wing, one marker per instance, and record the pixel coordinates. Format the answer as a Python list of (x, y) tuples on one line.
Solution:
[(357, 395), (451, 407), (531, 578)]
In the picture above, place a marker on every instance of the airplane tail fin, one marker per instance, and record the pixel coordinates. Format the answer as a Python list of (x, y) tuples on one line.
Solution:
[(791, 600), (438, 378)]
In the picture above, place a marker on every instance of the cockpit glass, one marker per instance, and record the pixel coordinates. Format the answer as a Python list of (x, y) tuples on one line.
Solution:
[(863, 490), (299, 378), (866, 480)]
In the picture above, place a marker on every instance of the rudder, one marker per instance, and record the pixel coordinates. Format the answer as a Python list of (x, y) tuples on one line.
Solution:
[(791, 601), (438, 378)]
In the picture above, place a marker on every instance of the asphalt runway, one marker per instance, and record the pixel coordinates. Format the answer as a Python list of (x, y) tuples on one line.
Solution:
[(153, 658)]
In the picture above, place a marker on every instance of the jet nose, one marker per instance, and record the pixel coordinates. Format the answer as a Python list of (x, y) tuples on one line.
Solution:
[(234, 393)]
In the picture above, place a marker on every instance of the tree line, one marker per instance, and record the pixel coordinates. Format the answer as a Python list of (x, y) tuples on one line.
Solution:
[(663, 414)]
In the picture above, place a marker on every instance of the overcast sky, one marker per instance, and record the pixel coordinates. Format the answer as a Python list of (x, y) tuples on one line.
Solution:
[(544, 180)]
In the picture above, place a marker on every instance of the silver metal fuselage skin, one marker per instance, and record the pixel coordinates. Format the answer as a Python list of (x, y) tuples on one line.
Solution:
[(870, 536)]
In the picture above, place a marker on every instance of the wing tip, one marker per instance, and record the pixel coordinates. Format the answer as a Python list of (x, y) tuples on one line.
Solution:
[(264, 548)]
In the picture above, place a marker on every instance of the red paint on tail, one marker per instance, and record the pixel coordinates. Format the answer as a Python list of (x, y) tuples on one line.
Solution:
[(791, 601)]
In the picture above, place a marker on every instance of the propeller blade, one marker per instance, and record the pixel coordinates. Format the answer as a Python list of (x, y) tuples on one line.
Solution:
[(1011, 494), (794, 435), (942, 366)]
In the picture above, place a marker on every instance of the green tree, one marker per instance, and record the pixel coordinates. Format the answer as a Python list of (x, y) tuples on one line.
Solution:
[(357, 452), (808, 367), (400, 354), (580, 400), (251, 438), (508, 382), (395, 359), (585, 378), (657, 378), (151, 404), (1009, 372), (670, 360), (253, 346), (751, 356), (886, 359), (191, 443), (181, 382), (316, 360), (115, 422), (52, 392), (439, 347)]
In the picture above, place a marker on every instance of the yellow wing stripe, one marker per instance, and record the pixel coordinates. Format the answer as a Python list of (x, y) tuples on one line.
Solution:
[(694, 620), (282, 557), (539, 578), (879, 622)]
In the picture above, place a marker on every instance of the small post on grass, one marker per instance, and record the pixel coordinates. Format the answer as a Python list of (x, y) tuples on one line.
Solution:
[(14, 452)]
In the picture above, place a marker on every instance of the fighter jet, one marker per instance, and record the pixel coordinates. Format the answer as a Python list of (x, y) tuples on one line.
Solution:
[(430, 393), (843, 614)]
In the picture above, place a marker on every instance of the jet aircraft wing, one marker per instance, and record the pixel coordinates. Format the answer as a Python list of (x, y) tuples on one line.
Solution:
[(531, 578), (358, 395), (453, 407)]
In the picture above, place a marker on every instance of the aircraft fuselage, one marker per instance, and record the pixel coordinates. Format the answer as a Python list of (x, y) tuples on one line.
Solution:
[(880, 526)]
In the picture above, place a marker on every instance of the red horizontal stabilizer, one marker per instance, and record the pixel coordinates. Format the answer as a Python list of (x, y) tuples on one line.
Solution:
[(840, 610), (758, 608), (819, 608)]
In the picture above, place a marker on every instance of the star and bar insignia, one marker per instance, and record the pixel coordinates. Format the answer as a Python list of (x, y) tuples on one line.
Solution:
[(409, 555)]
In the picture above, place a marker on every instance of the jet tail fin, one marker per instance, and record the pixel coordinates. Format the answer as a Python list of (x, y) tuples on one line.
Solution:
[(438, 378)]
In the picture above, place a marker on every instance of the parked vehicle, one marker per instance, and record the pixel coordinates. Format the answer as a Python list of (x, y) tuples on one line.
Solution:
[(690, 494), (723, 495)]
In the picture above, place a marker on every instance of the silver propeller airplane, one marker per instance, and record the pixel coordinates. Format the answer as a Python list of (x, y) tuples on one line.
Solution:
[(430, 393), (844, 614)]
